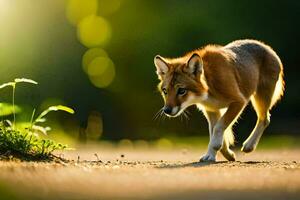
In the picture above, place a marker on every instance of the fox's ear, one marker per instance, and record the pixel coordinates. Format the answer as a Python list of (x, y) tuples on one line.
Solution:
[(161, 65), (195, 64)]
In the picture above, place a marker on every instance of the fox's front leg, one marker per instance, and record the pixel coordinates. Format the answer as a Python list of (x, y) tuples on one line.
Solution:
[(216, 139), (212, 119)]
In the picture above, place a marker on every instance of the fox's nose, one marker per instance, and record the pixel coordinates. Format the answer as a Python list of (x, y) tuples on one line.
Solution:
[(168, 109)]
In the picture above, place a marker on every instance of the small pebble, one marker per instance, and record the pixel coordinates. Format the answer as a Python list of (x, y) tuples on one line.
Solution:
[(116, 167)]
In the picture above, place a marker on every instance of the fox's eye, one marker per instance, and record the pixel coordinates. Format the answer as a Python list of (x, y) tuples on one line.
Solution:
[(181, 91), (164, 90)]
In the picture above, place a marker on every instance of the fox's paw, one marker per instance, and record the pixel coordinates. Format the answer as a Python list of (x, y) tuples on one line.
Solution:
[(248, 147), (228, 154), (208, 158)]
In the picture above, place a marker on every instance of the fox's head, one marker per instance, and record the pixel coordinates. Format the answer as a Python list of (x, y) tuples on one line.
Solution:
[(181, 82)]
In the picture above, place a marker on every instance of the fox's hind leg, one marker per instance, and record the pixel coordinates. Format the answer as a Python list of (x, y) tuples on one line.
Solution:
[(262, 103), (269, 90)]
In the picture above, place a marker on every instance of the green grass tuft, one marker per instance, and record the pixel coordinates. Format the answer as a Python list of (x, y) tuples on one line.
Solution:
[(26, 143)]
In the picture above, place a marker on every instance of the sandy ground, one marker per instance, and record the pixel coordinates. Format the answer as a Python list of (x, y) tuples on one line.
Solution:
[(154, 174)]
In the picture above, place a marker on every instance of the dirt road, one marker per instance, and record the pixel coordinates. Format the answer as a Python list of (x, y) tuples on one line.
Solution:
[(154, 174)]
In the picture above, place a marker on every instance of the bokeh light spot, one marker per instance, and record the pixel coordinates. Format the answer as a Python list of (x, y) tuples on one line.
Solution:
[(93, 31), (90, 55), (76, 10), (164, 143), (94, 126), (126, 144), (101, 72), (98, 66), (108, 7), (141, 144)]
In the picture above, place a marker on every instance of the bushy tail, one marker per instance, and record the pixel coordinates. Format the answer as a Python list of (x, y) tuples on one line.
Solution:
[(279, 89), (229, 136)]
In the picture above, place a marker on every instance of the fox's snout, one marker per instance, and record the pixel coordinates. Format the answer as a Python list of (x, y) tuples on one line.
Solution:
[(171, 111), (168, 109)]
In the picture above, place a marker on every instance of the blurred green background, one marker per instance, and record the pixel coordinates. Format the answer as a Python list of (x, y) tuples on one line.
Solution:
[(96, 56)]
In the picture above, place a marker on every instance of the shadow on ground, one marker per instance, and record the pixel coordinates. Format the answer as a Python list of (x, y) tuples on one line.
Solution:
[(222, 164)]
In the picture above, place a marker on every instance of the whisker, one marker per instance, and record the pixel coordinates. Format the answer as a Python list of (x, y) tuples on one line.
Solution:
[(157, 115), (186, 116), (187, 113), (163, 117)]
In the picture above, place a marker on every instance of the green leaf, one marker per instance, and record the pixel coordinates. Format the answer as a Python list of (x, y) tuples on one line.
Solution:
[(62, 108), (18, 80), (25, 80), (40, 118), (7, 84), (40, 129)]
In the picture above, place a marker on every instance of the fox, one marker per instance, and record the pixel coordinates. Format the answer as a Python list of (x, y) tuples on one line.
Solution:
[(221, 81)]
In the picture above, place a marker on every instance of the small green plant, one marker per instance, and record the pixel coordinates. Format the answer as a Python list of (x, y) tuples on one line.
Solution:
[(13, 85), (27, 143)]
